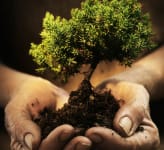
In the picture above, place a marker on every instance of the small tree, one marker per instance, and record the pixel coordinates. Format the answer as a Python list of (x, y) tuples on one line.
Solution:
[(99, 30)]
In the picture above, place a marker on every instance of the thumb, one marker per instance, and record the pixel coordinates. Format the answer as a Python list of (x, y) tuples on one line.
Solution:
[(128, 118), (31, 135), (23, 131)]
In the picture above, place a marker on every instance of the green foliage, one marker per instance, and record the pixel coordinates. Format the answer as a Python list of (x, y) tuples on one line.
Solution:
[(99, 30)]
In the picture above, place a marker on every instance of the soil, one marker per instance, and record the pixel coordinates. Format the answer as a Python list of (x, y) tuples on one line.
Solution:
[(85, 108)]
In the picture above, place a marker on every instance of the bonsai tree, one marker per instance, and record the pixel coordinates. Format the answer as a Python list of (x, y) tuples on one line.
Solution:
[(99, 30)]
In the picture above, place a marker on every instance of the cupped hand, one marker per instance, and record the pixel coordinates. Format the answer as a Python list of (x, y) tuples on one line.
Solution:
[(134, 126), (63, 138), (30, 99)]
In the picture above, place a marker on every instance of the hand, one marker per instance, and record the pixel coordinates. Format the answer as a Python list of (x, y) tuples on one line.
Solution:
[(132, 121), (62, 138), (135, 129), (29, 100)]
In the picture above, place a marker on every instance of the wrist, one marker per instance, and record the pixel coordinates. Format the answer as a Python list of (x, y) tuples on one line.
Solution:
[(10, 81), (128, 91), (149, 77)]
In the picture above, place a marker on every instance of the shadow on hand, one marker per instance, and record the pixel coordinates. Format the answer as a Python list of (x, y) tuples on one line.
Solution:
[(156, 107)]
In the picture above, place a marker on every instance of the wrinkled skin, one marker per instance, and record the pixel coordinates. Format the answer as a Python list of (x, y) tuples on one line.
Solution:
[(135, 106), (134, 112), (29, 100), (36, 94), (19, 111)]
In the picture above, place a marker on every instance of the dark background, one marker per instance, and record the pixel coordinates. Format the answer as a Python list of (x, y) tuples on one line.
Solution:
[(21, 23)]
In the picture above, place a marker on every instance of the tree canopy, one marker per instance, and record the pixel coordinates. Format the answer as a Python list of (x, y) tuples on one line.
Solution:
[(99, 30)]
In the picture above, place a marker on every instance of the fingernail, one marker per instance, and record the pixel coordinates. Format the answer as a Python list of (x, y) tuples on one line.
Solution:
[(28, 141), (96, 138), (126, 124), (65, 135), (82, 146)]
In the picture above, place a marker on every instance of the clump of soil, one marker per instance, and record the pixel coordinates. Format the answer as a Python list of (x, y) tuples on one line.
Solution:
[(85, 108)]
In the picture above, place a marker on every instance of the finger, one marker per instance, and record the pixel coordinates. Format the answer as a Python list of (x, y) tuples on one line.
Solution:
[(57, 138), (28, 135), (22, 129), (147, 138), (128, 118), (15, 145), (79, 143), (107, 139)]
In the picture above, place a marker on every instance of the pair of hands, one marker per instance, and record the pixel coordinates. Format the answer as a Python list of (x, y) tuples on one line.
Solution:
[(37, 94)]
